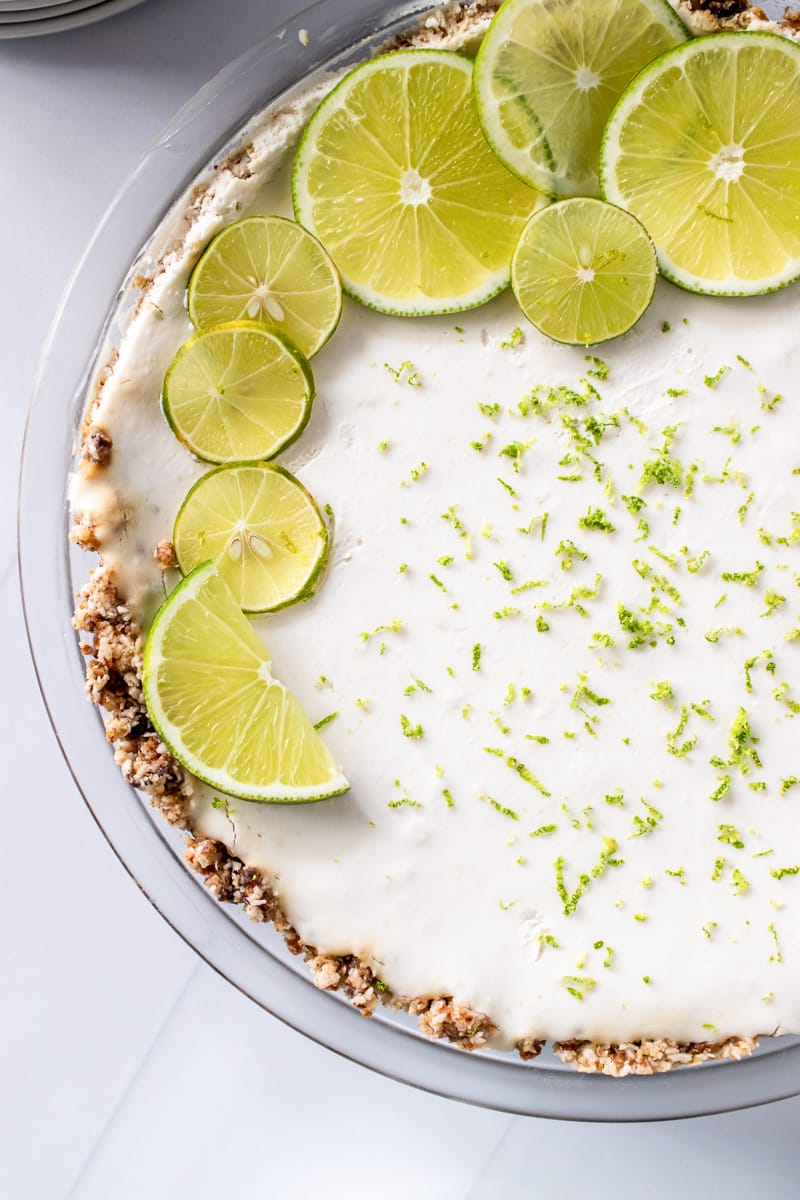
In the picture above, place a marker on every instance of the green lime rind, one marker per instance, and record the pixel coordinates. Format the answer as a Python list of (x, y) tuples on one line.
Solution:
[(238, 392), (398, 143), (734, 236), (584, 271), (251, 546), (269, 269), (213, 701), (547, 74)]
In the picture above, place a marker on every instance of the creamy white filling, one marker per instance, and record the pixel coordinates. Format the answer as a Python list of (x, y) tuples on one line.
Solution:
[(437, 867)]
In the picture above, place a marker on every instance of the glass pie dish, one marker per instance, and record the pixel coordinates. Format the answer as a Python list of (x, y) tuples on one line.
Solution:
[(251, 957)]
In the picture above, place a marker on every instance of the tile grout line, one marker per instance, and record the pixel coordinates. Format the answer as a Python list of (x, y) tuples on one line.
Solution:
[(471, 1193), (71, 1193)]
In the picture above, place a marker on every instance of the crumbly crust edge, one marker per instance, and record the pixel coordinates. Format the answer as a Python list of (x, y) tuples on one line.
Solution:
[(112, 644)]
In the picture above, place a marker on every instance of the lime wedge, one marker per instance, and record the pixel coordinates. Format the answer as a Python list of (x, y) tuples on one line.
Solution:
[(212, 698), (704, 147), (548, 74), (261, 529), (237, 393), (394, 176), (272, 270), (584, 271)]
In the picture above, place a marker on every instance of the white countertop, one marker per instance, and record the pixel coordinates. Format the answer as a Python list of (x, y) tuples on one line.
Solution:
[(129, 1068)]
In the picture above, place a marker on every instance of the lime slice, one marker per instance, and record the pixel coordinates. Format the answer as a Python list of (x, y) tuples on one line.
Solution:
[(395, 177), (548, 74), (272, 270), (212, 698), (237, 393), (704, 147), (261, 529), (584, 271)]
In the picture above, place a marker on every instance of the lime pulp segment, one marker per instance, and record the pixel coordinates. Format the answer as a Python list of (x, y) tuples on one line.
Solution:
[(238, 392), (584, 271), (395, 178), (261, 529), (547, 76), (704, 148), (272, 270), (212, 698)]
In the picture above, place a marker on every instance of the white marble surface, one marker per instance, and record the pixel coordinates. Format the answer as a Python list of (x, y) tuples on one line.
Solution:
[(128, 1068)]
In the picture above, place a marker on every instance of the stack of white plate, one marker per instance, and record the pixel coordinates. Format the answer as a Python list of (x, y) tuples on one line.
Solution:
[(27, 18)]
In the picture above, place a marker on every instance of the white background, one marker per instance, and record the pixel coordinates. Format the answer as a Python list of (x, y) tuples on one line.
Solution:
[(127, 1068)]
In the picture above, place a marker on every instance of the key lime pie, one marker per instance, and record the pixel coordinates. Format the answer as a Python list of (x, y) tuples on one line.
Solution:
[(458, 623)]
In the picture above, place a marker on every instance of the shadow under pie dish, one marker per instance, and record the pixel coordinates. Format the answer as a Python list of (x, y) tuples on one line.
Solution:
[(385, 380)]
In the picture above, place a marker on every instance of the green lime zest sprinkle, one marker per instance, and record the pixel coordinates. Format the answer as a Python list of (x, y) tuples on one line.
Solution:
[(748, 578), (674, 392), (476, 656), (529, 586), (664, 469), (569, 553), (773, 601), (404, 802), (489, 410), (662, 691), (731, 430), (712, 380), (515, 338), (598, 369), (409, 730), (407, 369), (615, 799), (326, 720), (579, 985), (640, 916), (722, 788), (791, 782), (777, 956), (543, 831), (507, 611), (515, 451), (742, 743), (498, 807), (570, 901), (680, 750), (541, 625), (740, 884), (730, 835), (783, 872), (394, 626), (709, 928), (504, 569), (323, 682), (646, 824), (595, 518), (713, 635), (526, 774), (742, 509), (769, 405), (719, 867)]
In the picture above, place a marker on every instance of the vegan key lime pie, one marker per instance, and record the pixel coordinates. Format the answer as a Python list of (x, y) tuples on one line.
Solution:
[(446, 485)]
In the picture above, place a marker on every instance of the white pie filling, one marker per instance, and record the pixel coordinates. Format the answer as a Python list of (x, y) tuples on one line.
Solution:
[(417, 869)]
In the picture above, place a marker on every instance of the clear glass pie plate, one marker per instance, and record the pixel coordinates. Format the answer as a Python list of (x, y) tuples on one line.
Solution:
[(251, 957)]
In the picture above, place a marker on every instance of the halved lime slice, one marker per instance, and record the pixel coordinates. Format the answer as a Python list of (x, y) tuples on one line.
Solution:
[(584, 271), (395, 177), (261, 529), (212, 698), (704, 147), (238, 393), (548, 74), (272, 270)]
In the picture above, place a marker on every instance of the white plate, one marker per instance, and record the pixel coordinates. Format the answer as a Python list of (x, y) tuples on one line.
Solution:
[(54, 8), (59, 17)]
